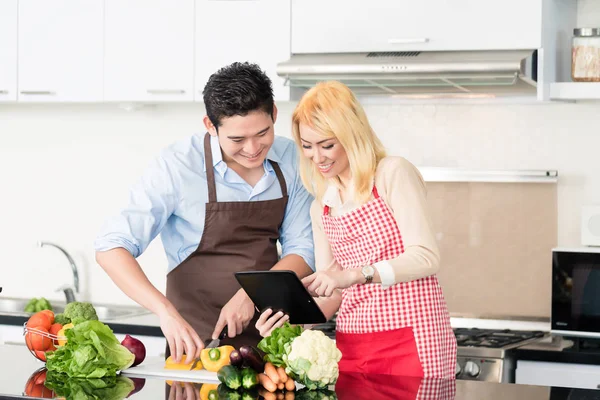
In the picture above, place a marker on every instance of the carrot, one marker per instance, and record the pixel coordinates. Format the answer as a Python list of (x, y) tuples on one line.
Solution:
[(280, 386), (266, 394), (290, 385), (282, 375), (289, 395), (271, 372), (280, 396), (267, 383)]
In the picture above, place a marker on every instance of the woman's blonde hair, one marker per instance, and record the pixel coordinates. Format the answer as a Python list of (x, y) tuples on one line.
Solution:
[(331, 109)]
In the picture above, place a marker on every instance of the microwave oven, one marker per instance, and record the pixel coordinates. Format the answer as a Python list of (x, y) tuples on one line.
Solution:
[(576, 292)]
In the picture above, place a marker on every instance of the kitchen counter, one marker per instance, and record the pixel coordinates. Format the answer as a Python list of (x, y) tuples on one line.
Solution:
[(146, 324), (561, 350), (19, 366)]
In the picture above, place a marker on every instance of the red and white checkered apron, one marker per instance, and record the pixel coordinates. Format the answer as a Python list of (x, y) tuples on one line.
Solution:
[(370, 234)]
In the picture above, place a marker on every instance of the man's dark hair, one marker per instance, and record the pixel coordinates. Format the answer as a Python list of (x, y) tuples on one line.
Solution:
[(237, 89)]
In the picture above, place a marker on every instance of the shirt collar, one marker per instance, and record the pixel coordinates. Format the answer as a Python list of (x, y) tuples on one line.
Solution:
[(217, 157), (331, 197), (221, 166)]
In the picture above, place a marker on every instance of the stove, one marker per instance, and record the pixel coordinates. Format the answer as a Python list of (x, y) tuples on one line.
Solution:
[(485, 354), (482, 354)]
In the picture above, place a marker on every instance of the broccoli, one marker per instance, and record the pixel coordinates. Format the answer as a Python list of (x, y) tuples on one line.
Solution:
[(61, 319), (37, 305), (80, 311)]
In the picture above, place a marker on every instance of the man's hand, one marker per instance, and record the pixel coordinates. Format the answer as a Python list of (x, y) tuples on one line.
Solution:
[(180, 335), (236, 315), (183, 391)]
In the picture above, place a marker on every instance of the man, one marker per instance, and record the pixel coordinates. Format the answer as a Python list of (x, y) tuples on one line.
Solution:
[(220, 202)]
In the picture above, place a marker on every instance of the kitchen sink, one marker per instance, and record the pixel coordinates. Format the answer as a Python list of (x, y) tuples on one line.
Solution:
[(15, 306)]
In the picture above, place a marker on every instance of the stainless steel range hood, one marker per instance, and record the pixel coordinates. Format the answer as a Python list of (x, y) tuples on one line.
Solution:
[(454, 74)]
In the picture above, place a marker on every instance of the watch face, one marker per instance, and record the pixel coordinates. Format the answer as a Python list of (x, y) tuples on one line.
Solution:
[(369, 270)]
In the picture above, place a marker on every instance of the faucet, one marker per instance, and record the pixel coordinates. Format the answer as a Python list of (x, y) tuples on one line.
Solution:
[(70, 296)]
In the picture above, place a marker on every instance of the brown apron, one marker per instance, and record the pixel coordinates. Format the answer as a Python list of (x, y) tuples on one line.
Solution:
[(238, 236)]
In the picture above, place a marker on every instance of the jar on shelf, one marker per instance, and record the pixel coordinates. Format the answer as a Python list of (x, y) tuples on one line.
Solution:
[(585, 63)]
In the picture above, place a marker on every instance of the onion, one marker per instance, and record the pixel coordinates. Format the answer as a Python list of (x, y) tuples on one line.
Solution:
[(138, 384), (136, 347)]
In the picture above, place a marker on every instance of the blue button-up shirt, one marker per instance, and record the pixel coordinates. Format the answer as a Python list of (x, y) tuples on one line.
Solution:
[(171, 196)]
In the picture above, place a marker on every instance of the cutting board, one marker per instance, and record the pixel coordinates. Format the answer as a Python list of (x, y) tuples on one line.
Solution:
[(156, 368)]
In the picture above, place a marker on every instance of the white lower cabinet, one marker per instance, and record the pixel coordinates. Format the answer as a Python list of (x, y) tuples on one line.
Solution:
[(11, 334), (569, 375)]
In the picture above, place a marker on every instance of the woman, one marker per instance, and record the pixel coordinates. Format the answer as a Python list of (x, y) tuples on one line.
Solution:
[(376, 254)]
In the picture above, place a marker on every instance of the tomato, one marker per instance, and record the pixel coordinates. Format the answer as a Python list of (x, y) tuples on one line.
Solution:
[(49, 314), (36, 341), (55, 328), (39, 319)]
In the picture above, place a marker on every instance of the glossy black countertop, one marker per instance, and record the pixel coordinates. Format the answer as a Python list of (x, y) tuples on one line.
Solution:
[(147, 324), (19, 370), (562, 350)]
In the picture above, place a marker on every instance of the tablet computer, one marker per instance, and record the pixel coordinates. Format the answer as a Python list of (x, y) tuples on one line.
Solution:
[(281, 291)]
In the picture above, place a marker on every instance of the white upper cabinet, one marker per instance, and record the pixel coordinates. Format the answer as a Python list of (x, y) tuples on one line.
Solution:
[(8, 50), (60, 50), (339, 26), (256, 31), (149, 50)]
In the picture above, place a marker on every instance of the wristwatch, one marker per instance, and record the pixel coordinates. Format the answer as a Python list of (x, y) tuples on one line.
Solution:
[(368, 271)]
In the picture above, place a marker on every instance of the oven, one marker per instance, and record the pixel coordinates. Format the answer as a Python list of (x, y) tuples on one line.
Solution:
[(576, 292), (486, 354)]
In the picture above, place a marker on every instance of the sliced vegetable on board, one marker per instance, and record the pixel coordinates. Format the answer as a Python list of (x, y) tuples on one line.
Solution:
[(215, 358)]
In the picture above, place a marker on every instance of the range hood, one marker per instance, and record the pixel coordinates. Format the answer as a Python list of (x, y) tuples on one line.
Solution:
[(419, 74)]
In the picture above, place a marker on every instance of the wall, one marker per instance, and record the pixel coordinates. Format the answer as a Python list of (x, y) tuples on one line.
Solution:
[(64, 168)]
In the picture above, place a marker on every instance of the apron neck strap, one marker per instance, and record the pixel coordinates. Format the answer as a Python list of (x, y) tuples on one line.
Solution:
[(210, 172), (280, 178)]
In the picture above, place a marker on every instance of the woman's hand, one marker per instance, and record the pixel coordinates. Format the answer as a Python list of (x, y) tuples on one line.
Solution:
[(324, 283), (269, 321)]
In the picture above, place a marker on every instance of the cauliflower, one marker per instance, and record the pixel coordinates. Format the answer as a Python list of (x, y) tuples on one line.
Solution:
[(312, 359), (80, 311)]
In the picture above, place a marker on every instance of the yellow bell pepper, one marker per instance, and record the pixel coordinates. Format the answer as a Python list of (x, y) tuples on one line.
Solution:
[(214, 359), (206, 389), (61, 337), (171, 364)]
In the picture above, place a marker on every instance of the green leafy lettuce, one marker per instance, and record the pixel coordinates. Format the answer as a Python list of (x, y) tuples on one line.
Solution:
[(107, 388), (274, 345), (91, 351)]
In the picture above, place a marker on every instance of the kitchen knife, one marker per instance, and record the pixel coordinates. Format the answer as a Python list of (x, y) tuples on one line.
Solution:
[(211, 345)]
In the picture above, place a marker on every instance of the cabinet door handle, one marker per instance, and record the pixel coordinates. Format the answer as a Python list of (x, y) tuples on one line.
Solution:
[(408, 40), (165, 91), (11, 343), (3, 91), (38, 92)]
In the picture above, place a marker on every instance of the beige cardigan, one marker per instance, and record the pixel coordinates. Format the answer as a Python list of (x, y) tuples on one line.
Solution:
[(401, 186)]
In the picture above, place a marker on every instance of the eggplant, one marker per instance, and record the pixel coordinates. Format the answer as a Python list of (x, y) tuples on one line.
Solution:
[(236, 359), (252, 358)]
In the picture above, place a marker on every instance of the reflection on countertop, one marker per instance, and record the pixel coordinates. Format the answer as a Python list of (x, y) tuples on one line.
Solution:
[(15, 382)]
